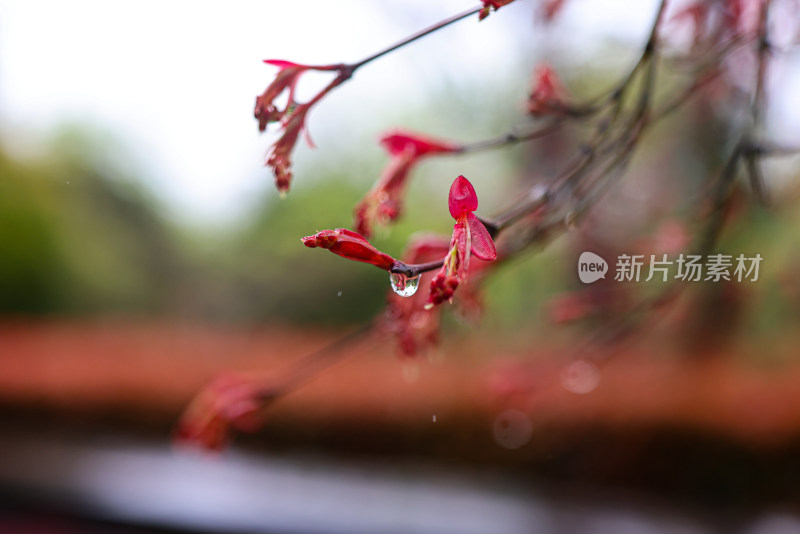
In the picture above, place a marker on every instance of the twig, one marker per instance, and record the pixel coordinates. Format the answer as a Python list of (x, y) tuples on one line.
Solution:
[(309, 366), (422, 33)]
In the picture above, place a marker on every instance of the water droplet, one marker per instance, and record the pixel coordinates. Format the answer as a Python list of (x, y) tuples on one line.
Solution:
[(403, 285), (434, 418), (581, 377), (512, 429), (339, 294)]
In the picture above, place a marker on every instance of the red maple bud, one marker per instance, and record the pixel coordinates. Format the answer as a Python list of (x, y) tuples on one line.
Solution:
[(292, 116), (462, 199), (454, 270), (231, 402), (279, 157), (547, 95), (399, 142), (461, 202), (350, 245), (491, 4), (384, 203), (469, 237), (266, 111)]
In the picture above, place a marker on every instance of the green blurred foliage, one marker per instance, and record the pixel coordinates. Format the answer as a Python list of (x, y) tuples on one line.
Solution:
[(76, 238)]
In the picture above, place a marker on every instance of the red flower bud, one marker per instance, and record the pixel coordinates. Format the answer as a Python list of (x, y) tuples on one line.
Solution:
[(400, 142), (292, 116), (279, 157), (462, 198), (231, 402), (469, 237), (454, 269), (287, 77), (266, 111), (547, 96), (350, 245), (384, 203), (462, 202), (491, 4), (481, 243)]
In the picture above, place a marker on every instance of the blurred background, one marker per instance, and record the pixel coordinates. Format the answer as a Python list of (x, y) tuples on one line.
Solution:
[(144, 250)]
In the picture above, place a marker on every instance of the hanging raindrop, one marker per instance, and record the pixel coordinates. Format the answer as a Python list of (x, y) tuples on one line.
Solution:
[(403, 285)]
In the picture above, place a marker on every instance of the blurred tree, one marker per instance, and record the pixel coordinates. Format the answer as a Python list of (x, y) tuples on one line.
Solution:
[(76, 237)]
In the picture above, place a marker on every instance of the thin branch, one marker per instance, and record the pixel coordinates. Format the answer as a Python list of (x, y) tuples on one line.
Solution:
[(757, 182), (757, 108), (693, 89), (770, 149), (510, 138), (301, 371), (438, 26), (647, 53), (537, 197), (757, 105), (412, 270), (583, 161), (721, 195)]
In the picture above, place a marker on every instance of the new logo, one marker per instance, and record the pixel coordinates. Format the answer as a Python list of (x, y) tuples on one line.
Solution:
[(591, 267)]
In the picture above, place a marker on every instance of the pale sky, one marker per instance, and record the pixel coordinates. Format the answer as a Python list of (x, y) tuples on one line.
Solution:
[(176, 81)]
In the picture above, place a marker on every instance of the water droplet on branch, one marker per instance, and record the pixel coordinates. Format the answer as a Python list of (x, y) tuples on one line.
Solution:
[(403, 285)]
